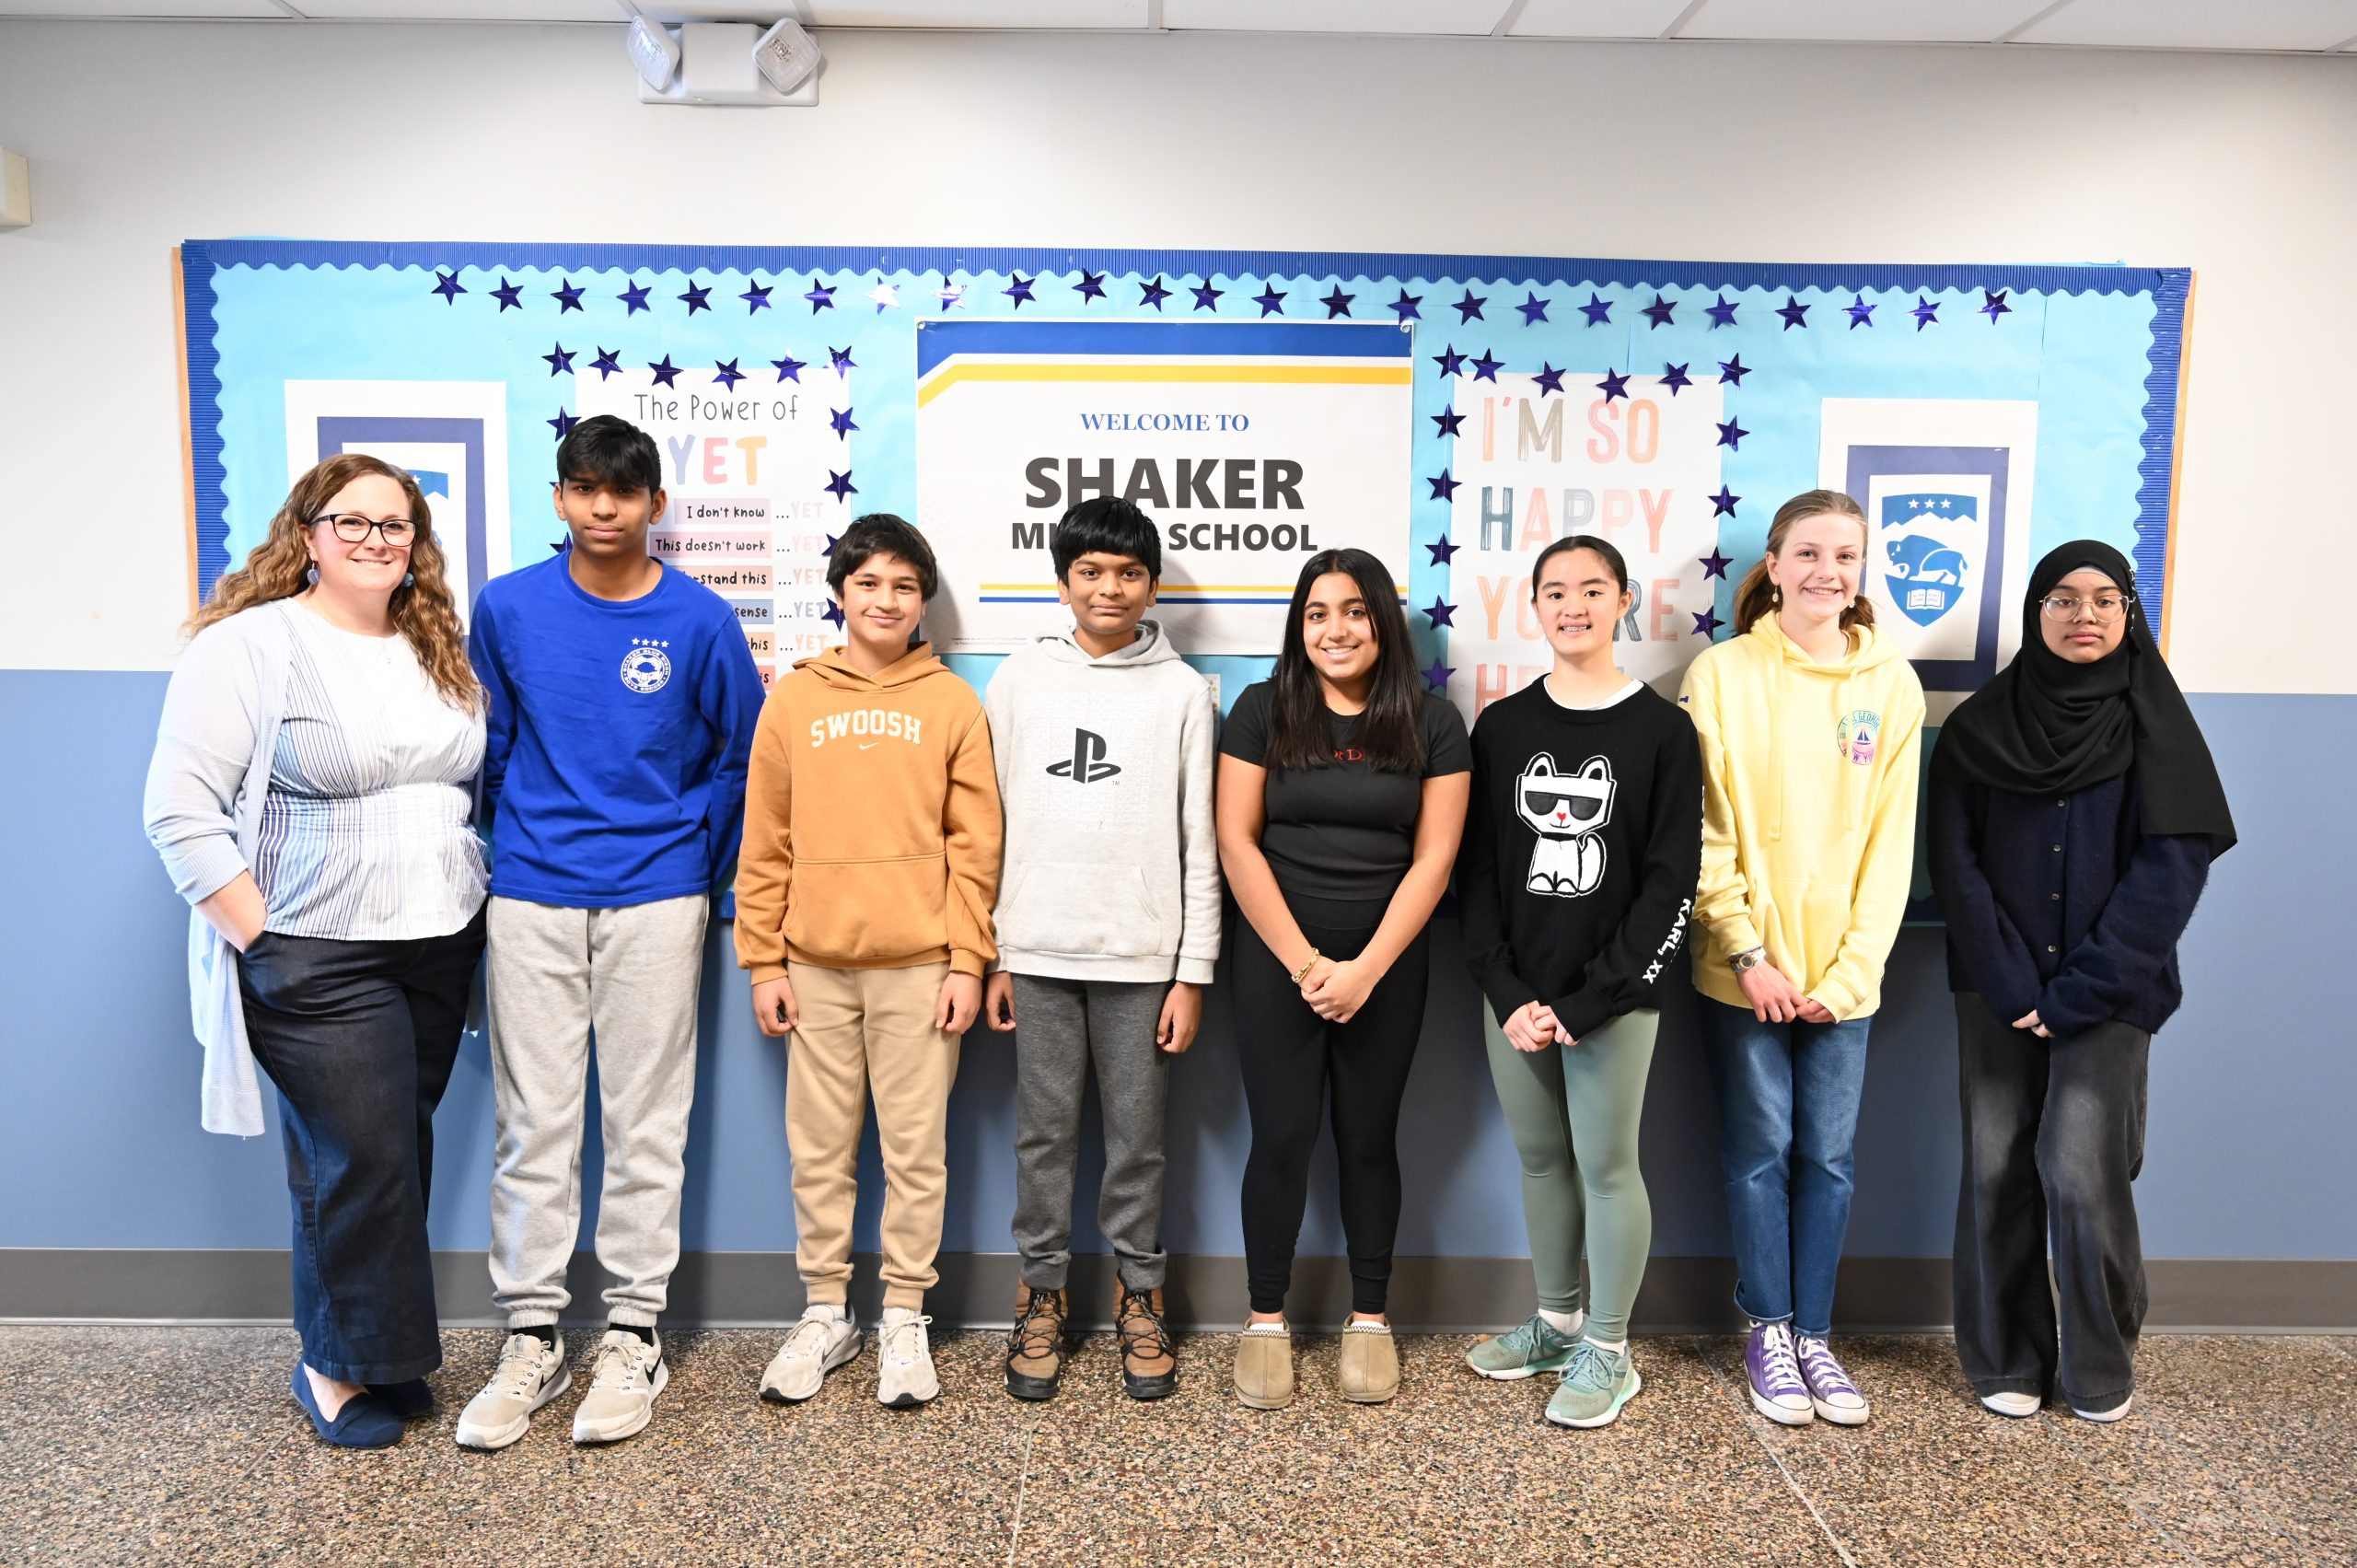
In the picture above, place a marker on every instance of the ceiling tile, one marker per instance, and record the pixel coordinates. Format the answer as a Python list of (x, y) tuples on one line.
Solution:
[(1863, 21), (460, 10), (2200, 24), (111, 8), (1426, 16), (974, 14), (1596, 18)]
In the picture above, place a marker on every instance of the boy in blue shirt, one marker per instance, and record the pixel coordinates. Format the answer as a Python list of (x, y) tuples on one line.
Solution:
[(622, 699)]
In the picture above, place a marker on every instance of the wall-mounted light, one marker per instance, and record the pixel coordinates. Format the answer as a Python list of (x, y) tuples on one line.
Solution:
[(724, 63)]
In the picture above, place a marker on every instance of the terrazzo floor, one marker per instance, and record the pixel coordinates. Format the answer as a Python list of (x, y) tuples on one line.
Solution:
[(181, 1445)]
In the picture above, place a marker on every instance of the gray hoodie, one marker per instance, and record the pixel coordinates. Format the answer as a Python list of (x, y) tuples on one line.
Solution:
[(1105, 770)]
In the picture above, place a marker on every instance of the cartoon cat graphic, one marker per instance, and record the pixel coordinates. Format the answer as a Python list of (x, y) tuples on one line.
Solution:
[(1565, 812)]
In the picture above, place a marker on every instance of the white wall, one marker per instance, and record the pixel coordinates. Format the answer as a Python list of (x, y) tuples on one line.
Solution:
[(142, 135)]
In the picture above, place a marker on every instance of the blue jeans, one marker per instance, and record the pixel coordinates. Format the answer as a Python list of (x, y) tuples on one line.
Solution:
[(359, 1039), (1788, 1114)]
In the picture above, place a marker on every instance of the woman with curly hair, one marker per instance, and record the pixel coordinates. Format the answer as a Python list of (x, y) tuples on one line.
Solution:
[(311, 794)]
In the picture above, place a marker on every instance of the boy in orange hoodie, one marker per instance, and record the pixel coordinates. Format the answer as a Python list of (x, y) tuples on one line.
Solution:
[(863, 897)]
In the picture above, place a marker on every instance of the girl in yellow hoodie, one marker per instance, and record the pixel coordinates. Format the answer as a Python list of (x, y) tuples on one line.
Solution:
[(1810, 723)]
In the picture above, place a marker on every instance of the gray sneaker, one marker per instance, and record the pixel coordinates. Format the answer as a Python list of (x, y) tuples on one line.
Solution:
[(1599, 1382), (529, 1375), (1521, 1353), (629, 1373)]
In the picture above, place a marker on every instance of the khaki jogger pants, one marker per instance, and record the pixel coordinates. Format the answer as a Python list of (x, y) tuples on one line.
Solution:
[(862, 1029)]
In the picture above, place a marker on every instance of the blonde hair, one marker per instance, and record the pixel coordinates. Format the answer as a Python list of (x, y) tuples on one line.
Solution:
[(1758, 596), (422, 610)]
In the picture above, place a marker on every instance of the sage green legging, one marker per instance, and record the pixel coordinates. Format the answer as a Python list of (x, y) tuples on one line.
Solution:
[(1574, 1112)]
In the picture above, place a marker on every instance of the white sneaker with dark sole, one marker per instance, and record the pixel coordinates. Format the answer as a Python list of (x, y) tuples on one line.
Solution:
[(905, 1378), (627, 1376), (825, 1338), (531, 1372)]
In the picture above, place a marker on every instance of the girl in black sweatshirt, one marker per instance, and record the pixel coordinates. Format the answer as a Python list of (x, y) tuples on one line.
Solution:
[(1582, 847)]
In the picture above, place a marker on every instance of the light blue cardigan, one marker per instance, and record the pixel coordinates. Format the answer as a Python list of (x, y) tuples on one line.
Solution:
[(229, 691)]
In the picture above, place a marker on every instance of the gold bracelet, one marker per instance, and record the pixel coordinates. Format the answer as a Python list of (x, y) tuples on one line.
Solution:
[(1308, 964)]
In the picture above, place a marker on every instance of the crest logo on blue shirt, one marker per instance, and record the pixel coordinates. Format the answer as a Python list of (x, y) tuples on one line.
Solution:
[(646, 667), (1923, 569)]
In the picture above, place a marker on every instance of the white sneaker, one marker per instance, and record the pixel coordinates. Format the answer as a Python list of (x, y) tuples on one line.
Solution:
[(628, 1374), (824, 1339), (2114, 1413), (906, 1379), (530, 1374), (2015, 1405)]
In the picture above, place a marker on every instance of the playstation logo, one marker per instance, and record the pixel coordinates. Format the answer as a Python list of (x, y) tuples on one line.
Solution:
[(1087, 764)]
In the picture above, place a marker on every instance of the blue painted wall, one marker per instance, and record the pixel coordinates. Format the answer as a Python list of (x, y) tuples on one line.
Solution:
[(99, 1146)]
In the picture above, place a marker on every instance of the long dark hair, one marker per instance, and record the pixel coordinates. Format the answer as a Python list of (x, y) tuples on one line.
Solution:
[(1300, 734)]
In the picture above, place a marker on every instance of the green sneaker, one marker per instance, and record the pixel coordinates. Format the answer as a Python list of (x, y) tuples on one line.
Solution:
[(1526, 1351), (1599, 1382)]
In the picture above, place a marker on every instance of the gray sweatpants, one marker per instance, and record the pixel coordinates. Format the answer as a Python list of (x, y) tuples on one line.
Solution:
[(1061, 1026), (632, 976)]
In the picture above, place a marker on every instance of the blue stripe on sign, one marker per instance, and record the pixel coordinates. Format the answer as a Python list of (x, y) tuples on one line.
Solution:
[(938, 340)]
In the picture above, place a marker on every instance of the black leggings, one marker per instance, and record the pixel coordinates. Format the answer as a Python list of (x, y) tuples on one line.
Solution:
[(1289, 1056)]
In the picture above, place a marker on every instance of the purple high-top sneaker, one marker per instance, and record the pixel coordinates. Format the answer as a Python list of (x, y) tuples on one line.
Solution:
[(1777, 1390), (1836, 1397)]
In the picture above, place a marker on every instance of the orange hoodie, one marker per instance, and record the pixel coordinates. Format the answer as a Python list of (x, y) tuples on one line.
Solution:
[(872, 823)]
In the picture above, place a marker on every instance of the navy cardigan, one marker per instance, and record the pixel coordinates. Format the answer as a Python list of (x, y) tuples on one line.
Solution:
[(2060, 903)]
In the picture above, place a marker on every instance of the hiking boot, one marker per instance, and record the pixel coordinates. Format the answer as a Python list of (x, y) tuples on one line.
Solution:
[(1149, 1359), (1370, 1373), (1264, 1367), (1035, 1346)]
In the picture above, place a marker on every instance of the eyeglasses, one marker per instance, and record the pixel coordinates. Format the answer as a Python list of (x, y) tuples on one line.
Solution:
[(353, 528), (2107, 608)]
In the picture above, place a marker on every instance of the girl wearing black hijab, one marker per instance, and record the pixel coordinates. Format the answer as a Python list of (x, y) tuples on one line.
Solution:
[(2074, 812)]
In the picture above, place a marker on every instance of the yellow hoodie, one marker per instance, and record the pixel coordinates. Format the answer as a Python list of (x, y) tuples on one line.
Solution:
[(872, 823), (1809, 774)]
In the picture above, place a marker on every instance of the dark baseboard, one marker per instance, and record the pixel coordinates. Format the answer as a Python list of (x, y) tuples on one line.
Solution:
[(977, 1289)]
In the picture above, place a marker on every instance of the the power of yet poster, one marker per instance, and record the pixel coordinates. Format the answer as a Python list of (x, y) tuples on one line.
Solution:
[(1628, 459), (1251, 445)]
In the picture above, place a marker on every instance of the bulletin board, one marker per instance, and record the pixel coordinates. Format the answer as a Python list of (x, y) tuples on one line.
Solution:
[(1449, 413)]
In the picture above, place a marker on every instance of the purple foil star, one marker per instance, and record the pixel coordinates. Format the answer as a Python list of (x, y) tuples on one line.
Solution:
[(509, 295), (1614, 385), (832, 614), (1706, 625), (757, 298), (1731, 435), (1337, 303), (1722, 504), (1597, 310), (1206, 297), (1443, 487), (821, 297), (1549, 380), (1440, 614), (1993, 305), (1451, 363), (608, 363), (1020, 290), (1271, 300), (840, 419), (447, 285), (789, 368), (1469, 308), (563, 423), (839, 360), (1714, 564), (1795, 313), (665, 373), (1733, 371), (1442, 549), (635, 297), (567, 296), (1408, 307), (1154, 294), (697, 299), (1486, 369), (1449, 420), (1861, 314), (1533, 309), (1659, 312), (1721, 314), (1674, 377), (1091, 286), (727, 374), (560, 362), (839, 486), (1436, 674)]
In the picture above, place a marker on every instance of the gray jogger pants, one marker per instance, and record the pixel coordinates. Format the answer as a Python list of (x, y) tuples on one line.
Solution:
[(630, 975), (1061, 1026)]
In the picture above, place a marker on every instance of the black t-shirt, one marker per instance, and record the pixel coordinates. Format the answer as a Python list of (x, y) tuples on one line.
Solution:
[(1346, 830)]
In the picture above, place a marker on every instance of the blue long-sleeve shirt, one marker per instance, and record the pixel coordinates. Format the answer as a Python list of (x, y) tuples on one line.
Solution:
[(2060, 903), (617, 738)]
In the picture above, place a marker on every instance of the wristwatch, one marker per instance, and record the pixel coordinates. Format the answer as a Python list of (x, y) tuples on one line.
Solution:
[(1743, 962)]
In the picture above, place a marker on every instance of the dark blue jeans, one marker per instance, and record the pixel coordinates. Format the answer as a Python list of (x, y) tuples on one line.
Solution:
[(359, 1039), (1788, 1114)]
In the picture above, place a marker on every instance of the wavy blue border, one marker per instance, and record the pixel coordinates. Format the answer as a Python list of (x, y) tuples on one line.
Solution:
[(2168, 287)]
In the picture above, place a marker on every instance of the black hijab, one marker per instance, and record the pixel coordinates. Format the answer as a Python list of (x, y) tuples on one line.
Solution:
[(2045, 726)]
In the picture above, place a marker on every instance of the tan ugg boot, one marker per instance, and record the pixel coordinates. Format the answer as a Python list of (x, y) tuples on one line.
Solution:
[(1370, 1372), (1264, 1367), (1149, 1358), (1035, 1346)]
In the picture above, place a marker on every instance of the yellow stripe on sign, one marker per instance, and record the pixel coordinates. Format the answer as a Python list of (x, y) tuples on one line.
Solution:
[(1326, 375)]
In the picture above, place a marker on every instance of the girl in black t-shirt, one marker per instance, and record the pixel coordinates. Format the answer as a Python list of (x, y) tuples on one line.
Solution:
[(1341, 797)]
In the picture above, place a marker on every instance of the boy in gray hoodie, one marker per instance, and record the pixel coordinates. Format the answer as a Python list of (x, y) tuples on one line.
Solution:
[(1107, 921)]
